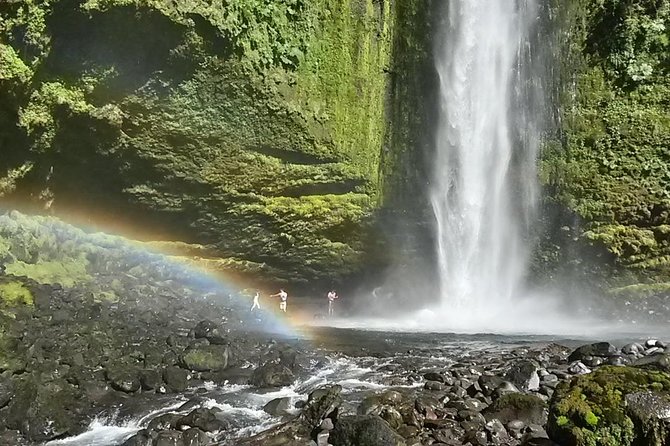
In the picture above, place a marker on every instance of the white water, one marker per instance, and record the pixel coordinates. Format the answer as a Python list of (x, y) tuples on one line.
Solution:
[(483, 188)]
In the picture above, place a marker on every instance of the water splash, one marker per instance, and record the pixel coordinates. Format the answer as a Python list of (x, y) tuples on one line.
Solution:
[(483, 189)]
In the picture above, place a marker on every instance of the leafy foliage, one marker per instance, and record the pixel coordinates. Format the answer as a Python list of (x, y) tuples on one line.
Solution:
[(611, 165)]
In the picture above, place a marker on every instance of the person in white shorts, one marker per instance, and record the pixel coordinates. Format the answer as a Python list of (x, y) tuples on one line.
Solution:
[(283, 297)]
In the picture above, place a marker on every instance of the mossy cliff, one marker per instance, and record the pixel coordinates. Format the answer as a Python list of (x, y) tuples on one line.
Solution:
[(255, 128), (607, 171)]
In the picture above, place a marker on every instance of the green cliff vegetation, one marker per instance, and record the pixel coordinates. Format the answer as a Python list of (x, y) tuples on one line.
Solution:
[(610, 165), (253, 128)]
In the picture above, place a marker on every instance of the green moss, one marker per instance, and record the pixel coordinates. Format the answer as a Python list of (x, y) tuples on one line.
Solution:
[(519, 401), (15, 293), (11, 65), (590, 410), (610, 164), (67, 273)]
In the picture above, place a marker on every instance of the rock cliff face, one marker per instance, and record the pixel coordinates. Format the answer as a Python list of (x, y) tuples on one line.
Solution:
[(257, 129), (281, 135), (606, 177)]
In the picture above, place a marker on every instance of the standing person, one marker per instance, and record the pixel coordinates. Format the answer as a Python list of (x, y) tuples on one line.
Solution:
[(256, 304), (283, 297), (332, 295)]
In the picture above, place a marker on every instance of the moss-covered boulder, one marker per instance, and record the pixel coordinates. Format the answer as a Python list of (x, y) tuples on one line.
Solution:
[(518, 406), (591, 410), (204, 358)]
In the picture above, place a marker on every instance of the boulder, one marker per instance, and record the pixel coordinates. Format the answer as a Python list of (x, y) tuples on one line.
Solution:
[(612, 405), (657, 361), (364, 430), (524, 375), (168, 438), (207, 420), (176, 379), (142, 438), (124, 379), (45, 411), (211, 331), (206, 358), (194, 437), (278, 406), (650, 412), (604, 349), (517, 407), (272, 374)]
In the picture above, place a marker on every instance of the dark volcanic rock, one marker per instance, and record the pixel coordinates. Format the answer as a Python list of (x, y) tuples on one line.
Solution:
[(207, 420), (176, 379), (518, 406), (211, 331), (365, 430), (125, 380), (658, 361), (524, 375), (278, 406), (142, 438), (650, 412), (272, 374), (206, 358), (598, 349)]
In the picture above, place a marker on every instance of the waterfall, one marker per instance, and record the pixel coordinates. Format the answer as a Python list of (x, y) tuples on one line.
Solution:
[(484, 179)]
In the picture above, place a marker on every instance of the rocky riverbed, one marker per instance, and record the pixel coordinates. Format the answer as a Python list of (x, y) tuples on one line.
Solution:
[(140, 350), (168, 368)]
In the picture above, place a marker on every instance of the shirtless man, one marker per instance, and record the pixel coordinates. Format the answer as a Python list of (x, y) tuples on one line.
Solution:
[(283, 297), (332, 295)]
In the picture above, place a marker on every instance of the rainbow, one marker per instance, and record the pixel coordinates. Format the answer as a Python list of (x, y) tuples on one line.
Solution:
[(197, 271)]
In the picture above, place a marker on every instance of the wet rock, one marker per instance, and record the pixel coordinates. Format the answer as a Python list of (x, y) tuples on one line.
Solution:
[(278, 406), (168, 438), (604, 349), (272, 374), (211, 331), (371, 405), (208, 420), (659, 361), (44, 411), (124, 380), (150, 379), (164, 422), (392, 417), (524, 375), (321, 404), (632, 349), (518, 407), (194, 437), (176, 379), (497, 434), (577, 368), (489, 383), (366, 430), (206, 358), (433, 385), (327, 424), (650, 412), (141, 438), (437, 376), (6, 392)]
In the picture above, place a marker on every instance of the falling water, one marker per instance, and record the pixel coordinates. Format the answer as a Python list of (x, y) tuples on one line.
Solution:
[(483, 190)]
